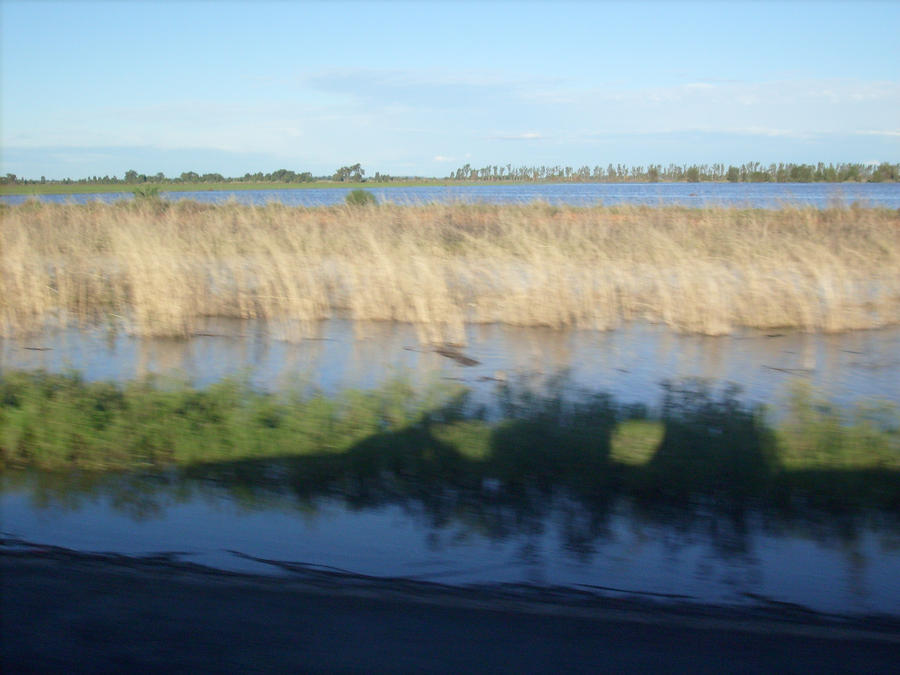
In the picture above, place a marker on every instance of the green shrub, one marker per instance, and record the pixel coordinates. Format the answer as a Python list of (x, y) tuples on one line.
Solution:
[(360, 198), (147, 192)]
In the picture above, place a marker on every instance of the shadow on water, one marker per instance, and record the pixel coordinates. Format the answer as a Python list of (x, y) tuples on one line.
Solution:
[(703, 452), (701, 498), (714, 447)]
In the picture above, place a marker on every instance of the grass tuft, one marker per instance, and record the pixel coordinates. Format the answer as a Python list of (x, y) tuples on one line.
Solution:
[(162, 267)]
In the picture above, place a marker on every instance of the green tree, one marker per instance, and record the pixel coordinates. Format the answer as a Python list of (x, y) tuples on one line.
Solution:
[(885, 172), (802, 173), (353, 173)]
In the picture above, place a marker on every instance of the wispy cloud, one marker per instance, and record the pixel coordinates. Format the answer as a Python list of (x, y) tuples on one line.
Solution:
[(772, 133), (525, 136), (769, 93), (872, 132), (788, 108), (423, 117), (416, 88), (62, 162)]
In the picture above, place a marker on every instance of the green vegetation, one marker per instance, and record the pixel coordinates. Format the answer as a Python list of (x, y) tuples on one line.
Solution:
[(360, 198), (148, 192), (76, 188), (354, 175), (157, 423), (751, 172), (346, 176), (701, 443)]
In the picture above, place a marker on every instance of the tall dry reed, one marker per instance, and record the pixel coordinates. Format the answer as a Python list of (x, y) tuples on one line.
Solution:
[(160, 268)]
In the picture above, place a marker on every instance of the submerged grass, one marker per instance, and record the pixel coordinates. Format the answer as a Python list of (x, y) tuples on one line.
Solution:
[(701, 443), (161, 267)]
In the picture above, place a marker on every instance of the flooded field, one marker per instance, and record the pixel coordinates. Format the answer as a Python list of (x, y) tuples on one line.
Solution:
[(604, 400), (629, 363), (758, 195), (475, 526), (838, 566)]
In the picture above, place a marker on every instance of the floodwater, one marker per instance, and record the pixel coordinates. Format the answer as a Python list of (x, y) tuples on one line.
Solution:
[(825, 565), (630, 363), (845, 565), (760, 195)]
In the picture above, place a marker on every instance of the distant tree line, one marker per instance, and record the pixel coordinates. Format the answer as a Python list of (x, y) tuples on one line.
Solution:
[(132, 177), (752, 172), (354, 173)]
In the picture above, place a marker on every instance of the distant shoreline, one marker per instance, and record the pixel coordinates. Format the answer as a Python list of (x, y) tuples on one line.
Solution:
[(97, 188), (103, 188)]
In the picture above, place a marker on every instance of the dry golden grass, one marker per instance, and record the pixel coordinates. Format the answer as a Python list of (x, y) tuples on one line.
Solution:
[(160, 268)]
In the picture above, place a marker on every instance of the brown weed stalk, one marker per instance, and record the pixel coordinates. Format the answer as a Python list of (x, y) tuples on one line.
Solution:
[(160, 268)]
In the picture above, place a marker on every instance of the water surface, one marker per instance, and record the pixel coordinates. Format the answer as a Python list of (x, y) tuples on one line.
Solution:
[(760, 195), (237, 516), (630, 363), (849, 566)]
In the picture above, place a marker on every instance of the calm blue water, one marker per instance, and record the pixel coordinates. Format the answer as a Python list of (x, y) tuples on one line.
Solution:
[(847, 568), (628, 363), (760, 195)]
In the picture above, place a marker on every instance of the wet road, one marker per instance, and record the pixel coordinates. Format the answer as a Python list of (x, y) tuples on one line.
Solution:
[(92, 614)]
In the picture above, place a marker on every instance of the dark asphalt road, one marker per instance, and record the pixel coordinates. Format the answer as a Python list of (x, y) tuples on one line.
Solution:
[(68, 614)]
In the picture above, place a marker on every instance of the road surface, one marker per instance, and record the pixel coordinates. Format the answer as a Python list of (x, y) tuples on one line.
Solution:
[(67, 612)]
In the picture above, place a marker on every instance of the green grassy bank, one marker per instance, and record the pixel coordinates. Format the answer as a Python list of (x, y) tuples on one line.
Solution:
[(700, 444)]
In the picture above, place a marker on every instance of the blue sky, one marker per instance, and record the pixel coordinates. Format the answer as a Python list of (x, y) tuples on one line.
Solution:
[(94, 88)]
